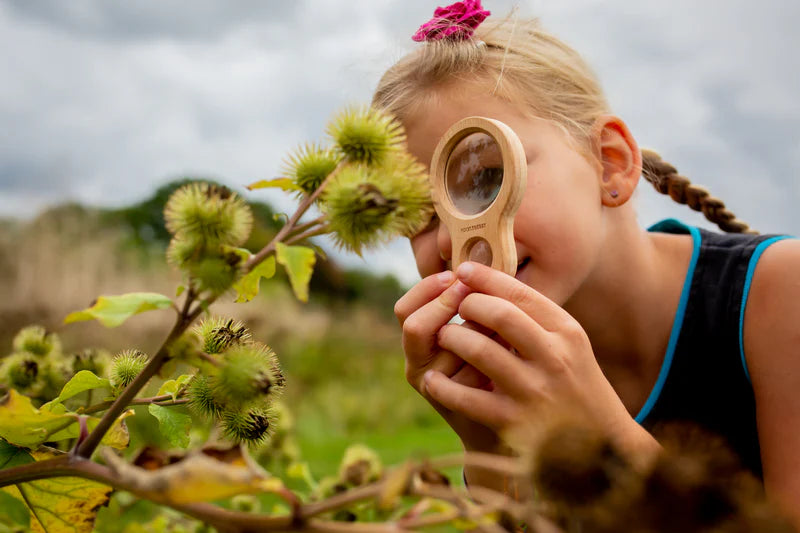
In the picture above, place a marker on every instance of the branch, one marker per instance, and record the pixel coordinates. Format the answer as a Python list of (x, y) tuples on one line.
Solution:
[(292, 223), (88, 446), (303, 227), (313, 232), (165, 400), (222, 519)]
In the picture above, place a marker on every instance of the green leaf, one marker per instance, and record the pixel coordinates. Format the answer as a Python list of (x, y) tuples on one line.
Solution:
[(61, 504), (179, 290), (11, 456), (174, 426), (174, 385), (24, 425), (247, 287), (13, 511), (299, 264), (112, 311), (285, 184), (80, 382)]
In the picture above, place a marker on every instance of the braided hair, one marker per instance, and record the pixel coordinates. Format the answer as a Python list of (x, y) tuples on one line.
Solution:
[(666, 180)]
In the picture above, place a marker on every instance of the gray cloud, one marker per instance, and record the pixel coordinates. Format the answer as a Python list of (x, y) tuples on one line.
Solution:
[(151, 19), (103, 101)]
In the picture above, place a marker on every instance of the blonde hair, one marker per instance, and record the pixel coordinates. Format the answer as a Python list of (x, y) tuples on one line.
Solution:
[(539, 74)]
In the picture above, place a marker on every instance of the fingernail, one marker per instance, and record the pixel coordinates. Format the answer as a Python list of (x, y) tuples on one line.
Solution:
[(460, 289), (445, 277), (427, 377), (465, 270)]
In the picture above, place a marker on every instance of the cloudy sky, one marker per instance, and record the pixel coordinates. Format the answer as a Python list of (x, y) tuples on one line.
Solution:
[(103, 101)]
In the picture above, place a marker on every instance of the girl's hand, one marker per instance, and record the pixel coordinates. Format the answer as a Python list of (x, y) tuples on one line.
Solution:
[(422, 312), (542, 364)]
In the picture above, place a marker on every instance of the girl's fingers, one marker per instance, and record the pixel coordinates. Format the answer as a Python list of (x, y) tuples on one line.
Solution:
[(422, 293), (495, 283), (478, 405), (469, 376), (508, 321), (419, 328), (487, 356)]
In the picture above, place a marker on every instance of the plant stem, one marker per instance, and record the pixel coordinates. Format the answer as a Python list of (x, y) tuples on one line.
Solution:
[(292, 223), (303, 227), (344, 499), (313, 232), (87, 447), (165, 400), (218, 517)]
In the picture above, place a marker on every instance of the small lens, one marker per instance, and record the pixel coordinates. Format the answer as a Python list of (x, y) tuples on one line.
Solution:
[(474, 173), (480, 252)]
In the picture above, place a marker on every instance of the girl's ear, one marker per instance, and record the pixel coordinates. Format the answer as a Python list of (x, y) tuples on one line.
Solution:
[(620, 158)]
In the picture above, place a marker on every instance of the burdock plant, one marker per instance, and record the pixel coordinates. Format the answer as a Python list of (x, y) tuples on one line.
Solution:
[(366, 189)]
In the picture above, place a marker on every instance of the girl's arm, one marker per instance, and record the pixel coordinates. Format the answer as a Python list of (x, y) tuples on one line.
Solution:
[(772, 354)]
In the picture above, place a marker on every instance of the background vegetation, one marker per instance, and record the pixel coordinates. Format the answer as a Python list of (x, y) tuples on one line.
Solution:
[(340, 352)]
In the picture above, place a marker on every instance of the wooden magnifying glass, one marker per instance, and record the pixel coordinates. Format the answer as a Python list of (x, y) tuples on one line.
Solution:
[(478, 178)]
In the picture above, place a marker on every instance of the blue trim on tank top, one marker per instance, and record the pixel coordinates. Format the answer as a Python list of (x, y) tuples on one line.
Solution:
[(671, 225), (751, 267)]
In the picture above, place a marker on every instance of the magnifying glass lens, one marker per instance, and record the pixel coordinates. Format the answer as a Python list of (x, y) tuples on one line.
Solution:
[(474, 173)]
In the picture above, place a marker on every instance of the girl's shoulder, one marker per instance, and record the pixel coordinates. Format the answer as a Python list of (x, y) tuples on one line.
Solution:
[(772, 352), (772, 314)]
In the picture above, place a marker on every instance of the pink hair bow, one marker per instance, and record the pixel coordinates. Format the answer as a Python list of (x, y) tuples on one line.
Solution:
[(455, 22)]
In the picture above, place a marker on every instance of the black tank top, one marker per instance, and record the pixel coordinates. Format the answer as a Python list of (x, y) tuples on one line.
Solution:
[(704, 378)]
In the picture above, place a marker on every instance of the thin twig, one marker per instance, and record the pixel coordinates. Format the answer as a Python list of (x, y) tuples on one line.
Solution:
[(291, 224), (308, 234), (87, 447), (303, 227), (341, 500), (163, 400)]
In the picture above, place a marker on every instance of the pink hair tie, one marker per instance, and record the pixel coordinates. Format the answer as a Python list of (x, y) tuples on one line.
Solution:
[(456, 22)]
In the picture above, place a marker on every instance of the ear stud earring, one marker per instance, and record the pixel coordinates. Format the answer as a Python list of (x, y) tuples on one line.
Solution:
[(614, 193)]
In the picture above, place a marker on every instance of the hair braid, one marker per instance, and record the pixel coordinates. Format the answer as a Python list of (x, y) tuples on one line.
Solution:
[(666, 180)]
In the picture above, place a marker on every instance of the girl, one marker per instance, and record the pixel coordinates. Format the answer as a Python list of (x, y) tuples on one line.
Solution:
[(625, 327)]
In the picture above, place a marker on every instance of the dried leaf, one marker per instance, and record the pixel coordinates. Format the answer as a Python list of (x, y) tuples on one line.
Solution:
[(197, 478), (394, 487)]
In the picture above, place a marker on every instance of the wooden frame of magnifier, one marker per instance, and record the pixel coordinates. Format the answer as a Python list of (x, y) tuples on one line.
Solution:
[(495, 224)]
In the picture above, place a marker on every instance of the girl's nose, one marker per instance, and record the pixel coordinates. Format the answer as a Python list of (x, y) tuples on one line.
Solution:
[(444, 243)]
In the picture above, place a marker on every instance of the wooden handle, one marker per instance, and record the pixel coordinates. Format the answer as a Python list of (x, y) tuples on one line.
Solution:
[(486, 236)]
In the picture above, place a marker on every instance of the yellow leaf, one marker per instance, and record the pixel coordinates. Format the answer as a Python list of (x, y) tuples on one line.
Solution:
[(196, 478), (112, 311), (23, 424), (299, 263), (61, 504), (281, 183), (247, 287)]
